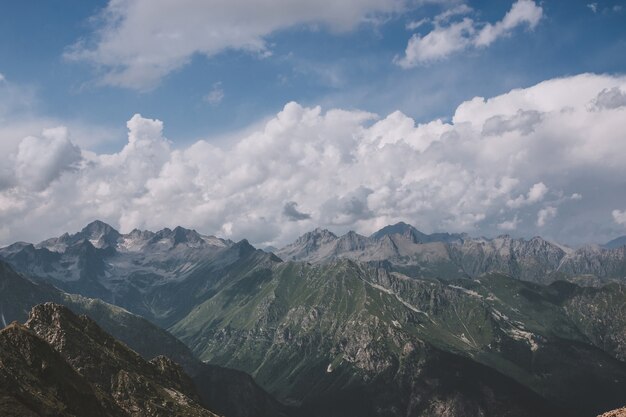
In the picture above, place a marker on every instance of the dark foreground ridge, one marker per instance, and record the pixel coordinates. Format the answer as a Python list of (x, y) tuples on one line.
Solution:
[(58, 363)]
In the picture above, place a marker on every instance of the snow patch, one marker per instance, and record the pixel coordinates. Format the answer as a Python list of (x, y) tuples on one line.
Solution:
[(95, 243), (388, 291), (131, 244), (466, 291)]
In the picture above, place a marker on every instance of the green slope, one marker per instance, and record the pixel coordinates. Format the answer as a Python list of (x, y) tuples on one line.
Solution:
[(306, 332)]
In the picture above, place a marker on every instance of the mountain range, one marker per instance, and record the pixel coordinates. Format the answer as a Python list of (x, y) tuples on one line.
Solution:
[(400, 323)]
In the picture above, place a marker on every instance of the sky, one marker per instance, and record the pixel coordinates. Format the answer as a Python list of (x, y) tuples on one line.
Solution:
[(267, 119)]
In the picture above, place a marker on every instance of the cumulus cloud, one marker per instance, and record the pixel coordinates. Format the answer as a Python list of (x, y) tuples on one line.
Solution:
[(509, 225), (345, 169), (536, 193), (545, 215), (619, 216), (41, 160), (446, 39), (137, 42), (523, 12)]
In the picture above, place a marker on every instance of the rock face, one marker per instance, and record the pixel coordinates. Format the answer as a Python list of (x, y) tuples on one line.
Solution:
[(35, 380), (615, 413), (65, 364)]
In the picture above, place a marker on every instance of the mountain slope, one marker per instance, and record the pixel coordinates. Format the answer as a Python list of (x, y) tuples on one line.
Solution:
[(35, 380), (66, 364), (307, 331), (616, 243), (228, 392)]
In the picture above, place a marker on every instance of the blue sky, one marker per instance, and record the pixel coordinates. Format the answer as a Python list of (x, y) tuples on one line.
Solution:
[(354, 114), (349, 69)]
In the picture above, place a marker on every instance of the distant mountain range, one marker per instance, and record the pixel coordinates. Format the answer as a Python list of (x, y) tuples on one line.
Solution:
[(400, 323), (447, 256)]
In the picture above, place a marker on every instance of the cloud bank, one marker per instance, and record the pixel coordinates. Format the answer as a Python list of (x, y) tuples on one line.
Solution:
[(450, 38), (559, 172)]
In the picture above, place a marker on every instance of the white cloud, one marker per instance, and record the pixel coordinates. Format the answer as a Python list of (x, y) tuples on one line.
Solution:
[(545, 215), (2, 78), (509, 225), (41, 160), (536, 193), (414, 24), (138, 42), (447, 39), (593, 7), (344, 170), (216, 95), (437, 44), (619, 216), (19, 117), (523, 12), (460, 10)]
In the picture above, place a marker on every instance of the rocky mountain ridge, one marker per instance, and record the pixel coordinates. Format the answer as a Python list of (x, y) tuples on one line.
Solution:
[(58, 362), (444, 255)]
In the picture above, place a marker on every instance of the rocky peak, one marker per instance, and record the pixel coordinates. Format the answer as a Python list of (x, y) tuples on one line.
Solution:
[(317, 237), (100, 234), (243, 247), (136, 387), (190, 237), (178, 236), (351, 241), (402, 229)]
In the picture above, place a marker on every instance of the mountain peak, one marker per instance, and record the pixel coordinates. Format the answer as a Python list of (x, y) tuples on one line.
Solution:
[(182, 235), (52, 316), (318, 235), (401, 228), (98, 227), (243, 247), (100, 234)]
